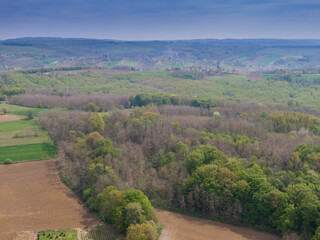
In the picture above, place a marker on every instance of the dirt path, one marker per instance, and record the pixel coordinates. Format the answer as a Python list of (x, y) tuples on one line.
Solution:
[(32, 198), (182, 227), (8, 118)]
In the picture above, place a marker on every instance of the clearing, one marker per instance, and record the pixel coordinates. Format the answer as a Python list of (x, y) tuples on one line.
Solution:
[(182, 227), (34, 199)]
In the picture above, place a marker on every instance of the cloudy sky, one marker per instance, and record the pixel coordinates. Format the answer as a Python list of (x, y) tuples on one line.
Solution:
[(161, 19)]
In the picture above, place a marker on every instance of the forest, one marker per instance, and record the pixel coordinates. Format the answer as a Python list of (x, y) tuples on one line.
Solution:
[(240, 163)]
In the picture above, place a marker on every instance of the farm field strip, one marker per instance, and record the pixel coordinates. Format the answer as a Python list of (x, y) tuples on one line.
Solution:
[(9, 118), (8, 139), (182, 227), (17, 125), (36, 200), (37, 151)]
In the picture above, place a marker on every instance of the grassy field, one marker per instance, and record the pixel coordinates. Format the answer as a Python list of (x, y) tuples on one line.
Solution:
[(22, 132), (62, 234), (17, 125), (21, 111), (24, 140), (19, 153)]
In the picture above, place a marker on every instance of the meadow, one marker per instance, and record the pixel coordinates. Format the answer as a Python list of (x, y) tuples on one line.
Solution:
[(21, 111)]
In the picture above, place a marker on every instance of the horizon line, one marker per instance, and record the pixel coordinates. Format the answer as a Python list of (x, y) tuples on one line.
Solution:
[(151, 40)]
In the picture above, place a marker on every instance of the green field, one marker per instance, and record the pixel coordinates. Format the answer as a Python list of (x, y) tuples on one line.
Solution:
[(62, 234), (22, 132), (21, 111), (24, 140), (17, 125), (19, 153)]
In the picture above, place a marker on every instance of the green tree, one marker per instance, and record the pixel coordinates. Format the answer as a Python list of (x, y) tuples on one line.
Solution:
[(134, 214), (194, 160), (96, 123)]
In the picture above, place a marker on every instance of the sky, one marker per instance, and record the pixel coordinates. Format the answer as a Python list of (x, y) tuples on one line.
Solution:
[(160, 20)]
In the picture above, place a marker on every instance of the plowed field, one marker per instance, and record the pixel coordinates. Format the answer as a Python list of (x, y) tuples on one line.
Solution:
[(181, 227), (32, 198)]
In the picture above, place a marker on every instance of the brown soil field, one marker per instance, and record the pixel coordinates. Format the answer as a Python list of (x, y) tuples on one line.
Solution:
[(32, 198), (182, 227), (8, 118)]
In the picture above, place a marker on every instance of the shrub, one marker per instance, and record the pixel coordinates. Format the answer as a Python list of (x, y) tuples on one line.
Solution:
[(8, 161), (30, 114)]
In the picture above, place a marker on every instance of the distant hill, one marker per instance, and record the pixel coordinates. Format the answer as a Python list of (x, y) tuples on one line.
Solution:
[(232, 54)]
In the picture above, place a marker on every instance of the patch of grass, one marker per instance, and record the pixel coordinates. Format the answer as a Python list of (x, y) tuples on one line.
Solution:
[(8, 139), (17, 125), (22, 111), (17, 153), (22, 132), (62, 234)]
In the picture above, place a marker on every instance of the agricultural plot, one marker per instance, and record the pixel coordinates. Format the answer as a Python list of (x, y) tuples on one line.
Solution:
[(181, 227), (36, 200), (29, 152), (23, 140), (9, 118)]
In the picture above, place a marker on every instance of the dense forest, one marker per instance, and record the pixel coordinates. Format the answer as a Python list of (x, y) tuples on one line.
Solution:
[(240, 163)]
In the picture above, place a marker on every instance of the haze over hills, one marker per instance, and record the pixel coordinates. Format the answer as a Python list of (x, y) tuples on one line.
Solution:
[(237, 55)]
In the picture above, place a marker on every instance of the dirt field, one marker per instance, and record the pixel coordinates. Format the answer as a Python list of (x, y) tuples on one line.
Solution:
[(8, 118), (32, 198), (181, 227)]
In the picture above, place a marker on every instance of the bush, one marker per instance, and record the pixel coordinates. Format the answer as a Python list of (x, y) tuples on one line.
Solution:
[(8, 161), (30, 114)]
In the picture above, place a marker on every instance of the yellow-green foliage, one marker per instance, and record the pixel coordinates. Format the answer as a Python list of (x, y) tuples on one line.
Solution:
[(143, 231), (286, 121), (96, 123)]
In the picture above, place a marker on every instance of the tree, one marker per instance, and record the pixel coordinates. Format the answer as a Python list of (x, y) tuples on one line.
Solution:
[(143, 231), (30, 114), (96, 123), (194, 160), (134, 214), (5, 110)]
